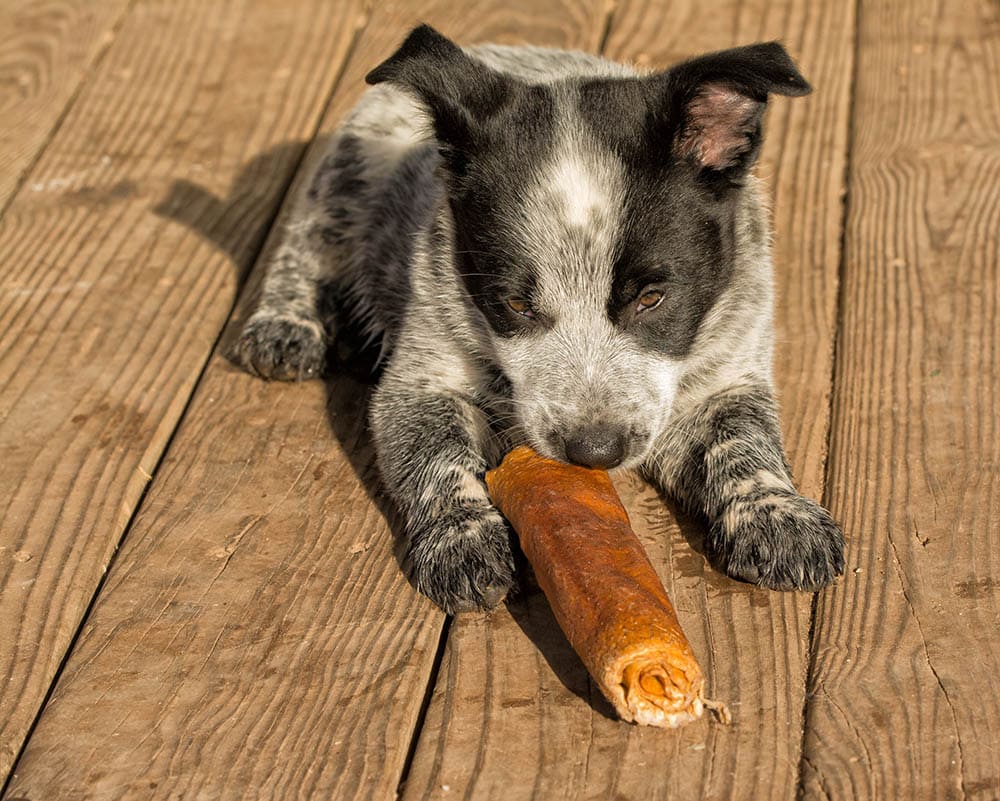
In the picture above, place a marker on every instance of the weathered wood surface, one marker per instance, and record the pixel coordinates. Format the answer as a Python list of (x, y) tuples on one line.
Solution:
[(47, 50), (109, 309), (513, 715), (905, 689), (256, 637)]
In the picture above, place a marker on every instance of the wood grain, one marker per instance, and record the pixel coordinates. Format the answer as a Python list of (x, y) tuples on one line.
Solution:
[(573, 24), (510, 692), (109, 309), (256, 636), (47, 48), (906, 679)]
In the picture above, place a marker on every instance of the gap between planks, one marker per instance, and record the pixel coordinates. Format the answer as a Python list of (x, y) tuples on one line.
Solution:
[(905, 689), (828, 485), (129, 473)]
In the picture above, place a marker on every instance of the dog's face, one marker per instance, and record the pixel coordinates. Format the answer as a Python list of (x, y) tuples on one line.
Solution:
[(594, 226)]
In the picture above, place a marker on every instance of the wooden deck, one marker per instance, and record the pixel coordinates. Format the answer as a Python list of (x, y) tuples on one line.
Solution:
[(198, 594)]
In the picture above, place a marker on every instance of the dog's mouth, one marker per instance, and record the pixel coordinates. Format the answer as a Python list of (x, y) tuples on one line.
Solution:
[(600, 447)]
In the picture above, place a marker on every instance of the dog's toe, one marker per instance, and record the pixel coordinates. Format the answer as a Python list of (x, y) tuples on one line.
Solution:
[(281, 348), (463, 562), (784, 542)]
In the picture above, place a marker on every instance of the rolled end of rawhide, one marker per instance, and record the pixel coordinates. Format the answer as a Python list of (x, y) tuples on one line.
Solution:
[(653, 690)]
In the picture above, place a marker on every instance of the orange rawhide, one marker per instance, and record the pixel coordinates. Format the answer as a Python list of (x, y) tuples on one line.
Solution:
[(600, 584)]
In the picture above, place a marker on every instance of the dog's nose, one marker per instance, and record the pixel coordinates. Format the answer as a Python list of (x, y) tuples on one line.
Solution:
[(596, 446)]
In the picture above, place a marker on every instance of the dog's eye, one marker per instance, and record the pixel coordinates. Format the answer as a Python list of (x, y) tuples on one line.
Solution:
[(649, 299), (521, 306)]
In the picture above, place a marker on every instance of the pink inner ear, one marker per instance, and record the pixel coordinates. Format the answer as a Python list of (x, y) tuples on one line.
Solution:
[(716, 131)]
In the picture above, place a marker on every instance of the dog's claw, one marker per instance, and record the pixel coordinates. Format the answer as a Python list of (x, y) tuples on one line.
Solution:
[(281, 348), (791, 545), (463, 564)]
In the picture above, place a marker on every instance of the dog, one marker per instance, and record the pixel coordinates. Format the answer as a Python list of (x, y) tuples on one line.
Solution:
[(554, 249)]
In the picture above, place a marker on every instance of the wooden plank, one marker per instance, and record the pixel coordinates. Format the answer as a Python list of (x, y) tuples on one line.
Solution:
[(46, 51), (109, 309), (256, 636), (905, 689), (510, 691)]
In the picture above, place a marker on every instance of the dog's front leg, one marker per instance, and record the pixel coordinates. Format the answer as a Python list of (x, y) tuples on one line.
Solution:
[(431, 450), (724, 458), (287, 336)]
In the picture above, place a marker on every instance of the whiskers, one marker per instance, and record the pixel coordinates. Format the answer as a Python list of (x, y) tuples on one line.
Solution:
[(507, 421), (663, 445)]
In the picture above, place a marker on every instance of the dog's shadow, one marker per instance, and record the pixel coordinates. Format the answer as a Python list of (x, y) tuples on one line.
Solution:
[(230, 225), (353, 372)]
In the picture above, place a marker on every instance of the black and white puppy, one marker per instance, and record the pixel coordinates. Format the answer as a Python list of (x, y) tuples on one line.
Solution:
[(558, 250)]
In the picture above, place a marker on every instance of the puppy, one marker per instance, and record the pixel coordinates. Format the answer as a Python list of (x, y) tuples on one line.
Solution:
[(557, 250)]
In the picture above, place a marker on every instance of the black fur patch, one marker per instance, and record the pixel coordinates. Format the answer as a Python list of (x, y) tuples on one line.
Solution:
[(678, 231), (491, 128), (687, 137), (462, 93), (678, 238), (487, 194)]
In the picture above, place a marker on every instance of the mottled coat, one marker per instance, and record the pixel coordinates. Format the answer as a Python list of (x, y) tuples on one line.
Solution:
[(555, 249)]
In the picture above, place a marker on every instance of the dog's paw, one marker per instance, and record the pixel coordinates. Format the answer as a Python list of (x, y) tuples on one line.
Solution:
[(462, 560), (780, 540), (281, 348)]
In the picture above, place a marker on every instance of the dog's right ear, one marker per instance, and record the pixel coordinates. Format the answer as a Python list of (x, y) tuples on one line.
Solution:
[(462, 93)]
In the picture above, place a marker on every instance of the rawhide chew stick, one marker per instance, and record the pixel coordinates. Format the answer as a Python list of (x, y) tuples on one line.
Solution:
[(601, 586)]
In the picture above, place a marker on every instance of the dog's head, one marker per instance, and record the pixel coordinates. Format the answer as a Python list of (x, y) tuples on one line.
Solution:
[(594, 225)]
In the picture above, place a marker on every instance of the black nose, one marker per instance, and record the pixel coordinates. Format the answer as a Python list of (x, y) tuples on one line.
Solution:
[(596, 446)]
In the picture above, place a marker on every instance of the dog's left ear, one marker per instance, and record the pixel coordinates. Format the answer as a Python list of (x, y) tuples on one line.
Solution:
[(461, 93), (717, 103)]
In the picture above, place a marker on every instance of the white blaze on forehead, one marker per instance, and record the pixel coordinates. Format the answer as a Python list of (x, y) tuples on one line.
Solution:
[(568, 226), (578, 188)]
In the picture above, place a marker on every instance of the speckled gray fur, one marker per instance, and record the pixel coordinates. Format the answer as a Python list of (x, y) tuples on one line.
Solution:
[(468, 177)]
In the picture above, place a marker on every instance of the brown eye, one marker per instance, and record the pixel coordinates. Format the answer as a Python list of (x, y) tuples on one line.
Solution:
[(520, 306), (649, 299)]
